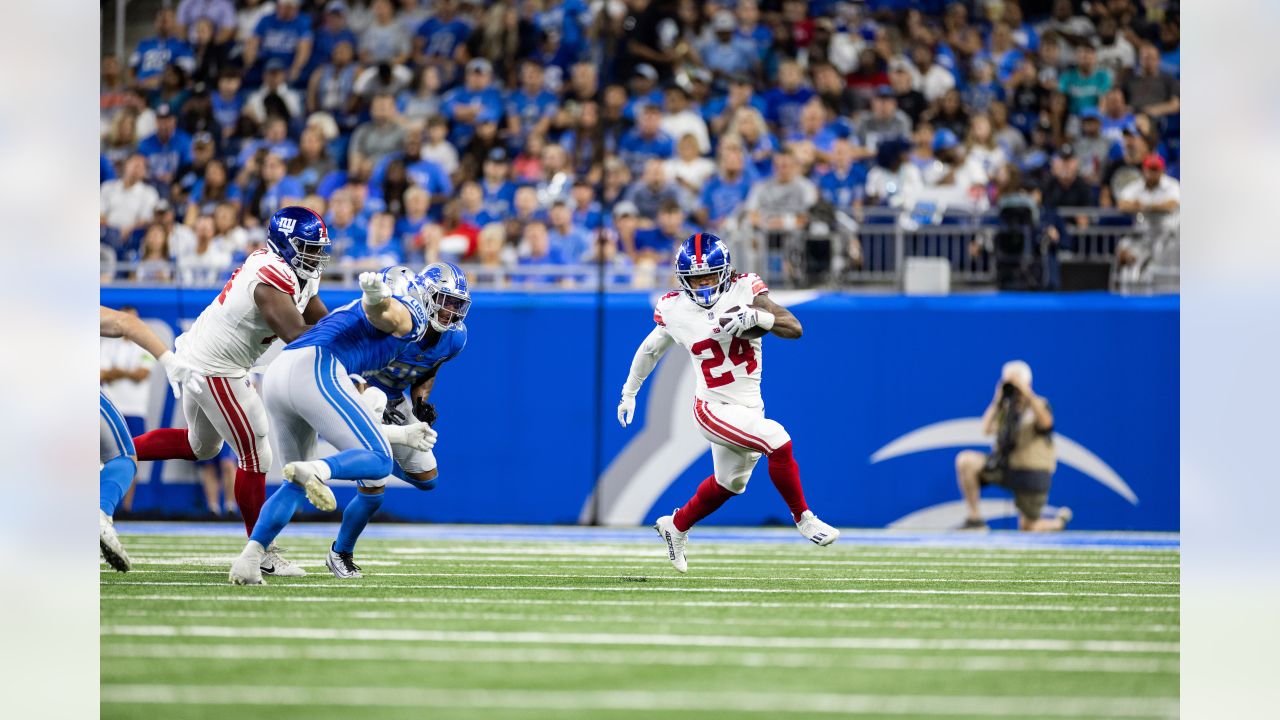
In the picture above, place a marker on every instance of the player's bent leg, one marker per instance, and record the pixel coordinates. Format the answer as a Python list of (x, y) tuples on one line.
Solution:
[(968, 466), (115, 451)]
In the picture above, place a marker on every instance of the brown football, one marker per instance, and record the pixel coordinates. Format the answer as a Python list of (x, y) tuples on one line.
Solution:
[(754, 332)]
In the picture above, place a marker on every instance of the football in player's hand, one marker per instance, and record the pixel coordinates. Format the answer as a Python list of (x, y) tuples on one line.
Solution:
[(754, 332)]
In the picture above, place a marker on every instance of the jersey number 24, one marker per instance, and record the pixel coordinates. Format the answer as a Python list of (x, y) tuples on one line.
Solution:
[(740, 353)]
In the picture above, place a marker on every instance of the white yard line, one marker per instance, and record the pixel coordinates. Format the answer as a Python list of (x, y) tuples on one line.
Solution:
[(679, 701), (644, 587), (682, 639), (910, 579), (578, 656), (250, 596), (276, 615)]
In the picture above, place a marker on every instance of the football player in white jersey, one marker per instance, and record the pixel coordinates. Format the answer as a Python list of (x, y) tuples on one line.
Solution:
[(272, 295), (719, 317)]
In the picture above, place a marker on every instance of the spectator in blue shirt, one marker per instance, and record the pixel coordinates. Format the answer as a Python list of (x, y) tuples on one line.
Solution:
[(531, 107), (346, 232), (471, 205), (843, 185), (154, 54), (718, 112), (749, 28), (756, 138), (655, 244), (167, 150), (586, 210), (220, 13), (438, 36), (417, 209), (1002, 51), (572, 242), (724, 53), (646, 141), (644, 90), (786, 100), (725, 191), (419, 170), (499, 191), (537, 251), (652, 190), (378, 250), (333, 30), (227, 102), (275, 138), (476, 101), (284, 35)]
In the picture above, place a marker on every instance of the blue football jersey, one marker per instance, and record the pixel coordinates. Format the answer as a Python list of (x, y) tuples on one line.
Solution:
[(418, 362), (358, 345)]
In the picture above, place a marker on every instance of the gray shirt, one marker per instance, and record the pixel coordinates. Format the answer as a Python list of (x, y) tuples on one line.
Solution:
[(871, 129), (777, 199), (374, 141)]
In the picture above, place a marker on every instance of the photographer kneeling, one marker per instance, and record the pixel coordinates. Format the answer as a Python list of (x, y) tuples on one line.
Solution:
[(1022, 459)]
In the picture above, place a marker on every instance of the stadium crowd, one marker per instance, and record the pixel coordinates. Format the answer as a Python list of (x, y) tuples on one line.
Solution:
[(503, 135)]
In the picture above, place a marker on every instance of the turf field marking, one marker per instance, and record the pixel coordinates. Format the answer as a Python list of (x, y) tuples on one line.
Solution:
[(878, 661), (636, 588), (998, 581), (682, 701), (418, 600), (566, 638), (616, 619)]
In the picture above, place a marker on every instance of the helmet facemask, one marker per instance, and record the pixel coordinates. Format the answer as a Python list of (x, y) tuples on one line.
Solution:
[(707, 295), (310, 258), (446, 307)]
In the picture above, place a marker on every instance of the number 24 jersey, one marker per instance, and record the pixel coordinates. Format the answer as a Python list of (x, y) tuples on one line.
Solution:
[(727, 368)]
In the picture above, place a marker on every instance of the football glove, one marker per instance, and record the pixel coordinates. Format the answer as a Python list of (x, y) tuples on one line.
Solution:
[(393, 415), (181, 374), (424, 411), (375, 289), (626, 409), (420, 436), (747, 318)]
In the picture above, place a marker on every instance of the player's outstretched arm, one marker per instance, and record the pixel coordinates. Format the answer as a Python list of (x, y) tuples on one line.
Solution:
[(645, 360), (281, 314), (386, 315), (785, 324), (113, 323), (315, 310)]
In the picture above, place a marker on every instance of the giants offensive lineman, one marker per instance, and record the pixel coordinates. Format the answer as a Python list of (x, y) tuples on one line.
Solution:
[(308, 391), (272, 295), (719, 318)]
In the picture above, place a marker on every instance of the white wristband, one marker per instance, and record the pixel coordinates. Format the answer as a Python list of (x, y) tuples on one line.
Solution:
[(765, 319)]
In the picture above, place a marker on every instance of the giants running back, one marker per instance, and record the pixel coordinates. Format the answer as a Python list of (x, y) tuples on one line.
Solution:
[(718, 318)]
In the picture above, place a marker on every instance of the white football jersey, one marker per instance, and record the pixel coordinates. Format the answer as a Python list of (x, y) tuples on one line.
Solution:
[(231, 334), (727, 368)]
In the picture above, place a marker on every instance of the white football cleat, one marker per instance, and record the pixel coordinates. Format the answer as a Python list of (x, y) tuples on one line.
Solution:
[(342, 565), (247, 568), (311, 474), (675, 541), (109, 543), (275, 564), (816, 531)]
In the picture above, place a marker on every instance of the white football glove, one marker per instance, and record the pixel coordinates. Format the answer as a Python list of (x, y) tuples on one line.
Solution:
[(626, 409), (375, 289), (181, 374), (747, 318), (420, 436)]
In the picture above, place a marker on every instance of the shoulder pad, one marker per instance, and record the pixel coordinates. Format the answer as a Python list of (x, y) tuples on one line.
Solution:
[(276, 273), (757, 284)]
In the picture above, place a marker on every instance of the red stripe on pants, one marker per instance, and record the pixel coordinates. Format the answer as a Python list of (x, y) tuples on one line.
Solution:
[(722, 429), (242, 434)]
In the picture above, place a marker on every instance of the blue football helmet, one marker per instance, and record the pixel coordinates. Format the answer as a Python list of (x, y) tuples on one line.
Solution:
[(448, 297), (704, 254), (299, 235)]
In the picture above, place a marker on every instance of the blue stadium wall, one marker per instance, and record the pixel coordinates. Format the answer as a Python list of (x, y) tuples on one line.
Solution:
[(878, 395)]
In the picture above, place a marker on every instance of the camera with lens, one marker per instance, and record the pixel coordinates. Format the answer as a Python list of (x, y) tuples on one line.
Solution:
[(1007, 432)]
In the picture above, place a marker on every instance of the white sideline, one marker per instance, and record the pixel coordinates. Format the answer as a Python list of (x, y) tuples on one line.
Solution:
[(683, 701), (878, 661), (1074, 581), (641, 587), (616, 619), (581, 638), (652, 602)]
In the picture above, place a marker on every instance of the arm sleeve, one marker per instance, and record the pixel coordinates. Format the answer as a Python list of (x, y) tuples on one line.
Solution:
[(646, 359)]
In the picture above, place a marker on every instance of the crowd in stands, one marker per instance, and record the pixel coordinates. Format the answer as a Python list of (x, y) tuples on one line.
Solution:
[(507, 135)]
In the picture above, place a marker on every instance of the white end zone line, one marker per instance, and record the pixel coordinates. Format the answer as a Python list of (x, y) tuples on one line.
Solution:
[(681, 701), (661, 640), (252, 597), (579, 656)]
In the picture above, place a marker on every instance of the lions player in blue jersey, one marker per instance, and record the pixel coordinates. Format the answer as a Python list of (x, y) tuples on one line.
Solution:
[(448, 299), (308, 390)]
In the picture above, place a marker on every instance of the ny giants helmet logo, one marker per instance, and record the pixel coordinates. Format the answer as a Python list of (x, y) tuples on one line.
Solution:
[(287, 224)]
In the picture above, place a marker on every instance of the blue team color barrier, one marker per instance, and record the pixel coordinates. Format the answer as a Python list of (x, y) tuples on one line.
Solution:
[(878, 395)]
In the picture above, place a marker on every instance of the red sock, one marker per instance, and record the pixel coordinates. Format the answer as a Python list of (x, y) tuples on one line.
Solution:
[(709, 497), (251, 492), (785, 475), (164, 444)]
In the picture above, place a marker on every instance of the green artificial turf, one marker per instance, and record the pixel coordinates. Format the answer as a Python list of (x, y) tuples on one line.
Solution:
[(594, 630)]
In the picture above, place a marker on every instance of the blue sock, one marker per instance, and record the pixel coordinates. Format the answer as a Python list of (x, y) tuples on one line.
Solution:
[(114, 481), (355, 518), (359, 465), (276, 512), (420, 484)]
